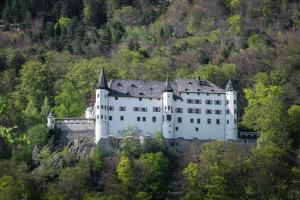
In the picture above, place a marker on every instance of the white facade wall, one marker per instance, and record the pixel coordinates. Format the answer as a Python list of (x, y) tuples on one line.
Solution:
[(231, 118), (113, 125), (147, 127), (187, 130), (101, 114), (168, 111)]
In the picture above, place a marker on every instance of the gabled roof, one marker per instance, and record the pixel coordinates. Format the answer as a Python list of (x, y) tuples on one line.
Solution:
[(102, 83), (229, 86), (154, 89)]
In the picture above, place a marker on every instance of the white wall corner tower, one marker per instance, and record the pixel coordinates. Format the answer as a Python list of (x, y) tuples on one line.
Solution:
[(50, 121), (168, 115), (231, 131), (101, 108)]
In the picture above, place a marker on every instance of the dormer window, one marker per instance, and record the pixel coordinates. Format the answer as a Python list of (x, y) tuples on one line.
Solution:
[(134, 86), (141, 94), (151, 88), (190, 83), (199, 90), (186, 89), (119, 84)]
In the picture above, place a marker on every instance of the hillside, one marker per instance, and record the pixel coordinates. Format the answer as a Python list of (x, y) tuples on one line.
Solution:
[(51, 53)]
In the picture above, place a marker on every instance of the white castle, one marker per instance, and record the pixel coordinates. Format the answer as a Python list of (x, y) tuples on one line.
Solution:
[(184, 108)]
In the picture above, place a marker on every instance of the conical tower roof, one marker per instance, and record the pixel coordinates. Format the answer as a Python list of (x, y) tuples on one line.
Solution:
[(229, 86), (102, 83), (167, 87)]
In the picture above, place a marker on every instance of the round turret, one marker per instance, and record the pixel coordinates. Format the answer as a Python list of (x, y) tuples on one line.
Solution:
[(50, 121)]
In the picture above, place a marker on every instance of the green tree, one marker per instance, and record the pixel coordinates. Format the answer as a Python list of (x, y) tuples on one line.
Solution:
[(36, 83), (70, 102), (234, 23), (266, 113), (154, 173), (124, 172)]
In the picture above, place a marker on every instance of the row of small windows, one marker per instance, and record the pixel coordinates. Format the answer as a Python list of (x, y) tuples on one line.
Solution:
[(177, 110), (207, 101), (192, 101), (169, 118)]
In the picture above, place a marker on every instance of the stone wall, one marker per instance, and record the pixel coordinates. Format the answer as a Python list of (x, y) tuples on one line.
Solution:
[(75, 128)]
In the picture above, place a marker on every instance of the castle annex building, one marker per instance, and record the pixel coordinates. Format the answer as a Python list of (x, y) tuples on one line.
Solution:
[(183, 108)]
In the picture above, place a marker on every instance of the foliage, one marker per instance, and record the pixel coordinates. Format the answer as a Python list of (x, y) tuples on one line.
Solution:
[(51, 53)]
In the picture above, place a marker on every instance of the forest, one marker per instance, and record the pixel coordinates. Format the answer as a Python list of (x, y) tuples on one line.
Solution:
[(51, 53)]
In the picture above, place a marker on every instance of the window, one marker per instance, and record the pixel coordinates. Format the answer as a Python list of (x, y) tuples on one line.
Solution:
[(176, 128), (102, 107), (154, 119), (234, 111), (98, 107), (101, 116), (189, 101), (227, 111), (105, 117), (165, 108), (140, 99), (97, 116), (136, 108), (197, 110), (116, 98), (144, 119), (110, 108), (208, 102), (169, 107), (197, 129), (110, 117), (156, 109), (179, 110), (227, 102), (197, 101), (235, 121), (122, 108), (208, 111), (192, 120), (121, 118), (144, 109), (138, 119), (209, 121), (98, 95), (227, 121), (218, 112), (217, 121), (217, 102), (190, 110), (169, 117), (198, 121), (179, 119), (234, 101)]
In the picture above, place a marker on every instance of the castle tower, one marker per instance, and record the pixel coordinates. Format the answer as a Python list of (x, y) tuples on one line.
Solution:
[(231, 112), (168, 115), (50, 121), (101, 108)]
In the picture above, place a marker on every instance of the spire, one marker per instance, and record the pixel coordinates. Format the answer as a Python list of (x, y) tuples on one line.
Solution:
[(102, 83), (229, 86), (50, 114), (167, 87)]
